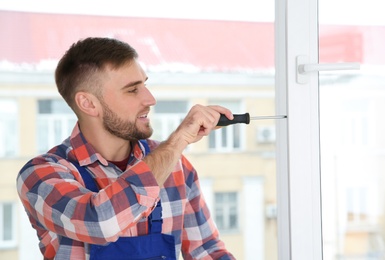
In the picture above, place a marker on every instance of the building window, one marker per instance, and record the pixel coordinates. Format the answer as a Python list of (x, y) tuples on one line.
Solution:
[(357, 205), (8, 128), (7, 225), (226, 138), (54, 123), (168, 115), (226, 211), (356, 128)]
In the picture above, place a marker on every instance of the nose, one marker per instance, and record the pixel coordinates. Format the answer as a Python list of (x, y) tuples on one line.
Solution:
[(148, 99)]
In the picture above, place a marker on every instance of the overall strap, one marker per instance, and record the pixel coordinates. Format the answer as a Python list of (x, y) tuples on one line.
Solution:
[(145, 145), (155, 218), (87, 177)]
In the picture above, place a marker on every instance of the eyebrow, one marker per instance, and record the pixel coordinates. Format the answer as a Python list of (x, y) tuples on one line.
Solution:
[(134, 83)]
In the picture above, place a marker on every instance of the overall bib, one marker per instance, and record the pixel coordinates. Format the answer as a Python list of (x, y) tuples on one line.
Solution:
[(155, 245)]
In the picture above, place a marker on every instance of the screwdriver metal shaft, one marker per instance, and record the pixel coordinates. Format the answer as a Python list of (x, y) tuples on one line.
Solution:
[(244, 119)]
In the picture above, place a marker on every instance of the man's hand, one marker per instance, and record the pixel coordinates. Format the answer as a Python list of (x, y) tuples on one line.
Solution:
[(199, 122)]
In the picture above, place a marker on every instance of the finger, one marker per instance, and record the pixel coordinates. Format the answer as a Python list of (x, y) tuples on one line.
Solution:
[(205, 116), (223, 110)]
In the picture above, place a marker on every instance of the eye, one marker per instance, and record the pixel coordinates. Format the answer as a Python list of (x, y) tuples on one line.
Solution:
[(133, 90)]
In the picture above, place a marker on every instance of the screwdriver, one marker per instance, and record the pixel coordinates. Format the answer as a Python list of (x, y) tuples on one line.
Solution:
[(243, 118)]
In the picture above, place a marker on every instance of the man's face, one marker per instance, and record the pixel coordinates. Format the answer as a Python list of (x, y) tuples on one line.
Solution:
[(126, 103)]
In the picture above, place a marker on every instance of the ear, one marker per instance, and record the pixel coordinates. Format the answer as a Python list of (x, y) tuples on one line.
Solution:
[(87, 103)]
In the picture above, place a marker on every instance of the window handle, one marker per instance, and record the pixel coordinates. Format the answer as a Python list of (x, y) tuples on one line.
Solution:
[(304, 68)]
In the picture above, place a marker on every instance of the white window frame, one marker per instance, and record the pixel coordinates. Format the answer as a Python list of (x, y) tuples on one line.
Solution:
[(298, 153)]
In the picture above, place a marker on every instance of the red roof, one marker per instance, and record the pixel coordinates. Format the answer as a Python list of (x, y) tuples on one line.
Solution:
[(205, 44), (352, 44)]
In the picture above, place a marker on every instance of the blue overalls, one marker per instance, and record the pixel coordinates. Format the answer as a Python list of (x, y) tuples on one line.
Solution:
[(155, 245)]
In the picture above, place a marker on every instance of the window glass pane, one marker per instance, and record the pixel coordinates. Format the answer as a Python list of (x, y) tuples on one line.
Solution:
[(233, 218), (232, 197), (42, 135), (53, 106), (55, 121), (224, 136), (219, 218), (219, 198), (226, 208), (170, 106), (237, 136), (167, 117), (352, 143), (227, 138), (45, 107), (8, 219), (222, 57)]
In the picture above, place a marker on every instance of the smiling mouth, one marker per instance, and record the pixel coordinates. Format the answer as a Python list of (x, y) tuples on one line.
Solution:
[(143, 116)]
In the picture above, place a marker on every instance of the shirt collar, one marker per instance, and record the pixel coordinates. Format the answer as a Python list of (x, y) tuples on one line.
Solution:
[(84, 151), (86, 154)]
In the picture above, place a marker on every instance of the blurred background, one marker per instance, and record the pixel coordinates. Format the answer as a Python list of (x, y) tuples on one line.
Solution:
[(209, 52)]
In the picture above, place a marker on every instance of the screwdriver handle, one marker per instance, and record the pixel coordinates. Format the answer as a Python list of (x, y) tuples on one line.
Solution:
[(240, 118)]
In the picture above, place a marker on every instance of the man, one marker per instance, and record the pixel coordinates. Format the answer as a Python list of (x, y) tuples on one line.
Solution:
[(109, 192)]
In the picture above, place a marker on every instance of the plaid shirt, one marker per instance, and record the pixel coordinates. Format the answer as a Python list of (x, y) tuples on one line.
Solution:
[(68, 217)]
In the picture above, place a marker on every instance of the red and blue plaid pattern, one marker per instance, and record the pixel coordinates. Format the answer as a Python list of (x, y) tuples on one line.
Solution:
[(68, 217)]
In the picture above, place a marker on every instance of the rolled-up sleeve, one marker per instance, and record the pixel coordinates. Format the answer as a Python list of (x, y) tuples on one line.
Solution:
[(200, 236)]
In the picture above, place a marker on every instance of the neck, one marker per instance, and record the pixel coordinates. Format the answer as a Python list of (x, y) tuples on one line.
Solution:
[(112, 148)]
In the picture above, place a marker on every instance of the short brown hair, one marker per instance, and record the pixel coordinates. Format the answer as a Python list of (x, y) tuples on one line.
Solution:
[(80, 66)]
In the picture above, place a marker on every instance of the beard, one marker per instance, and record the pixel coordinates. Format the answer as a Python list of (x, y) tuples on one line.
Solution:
[(123, 129)]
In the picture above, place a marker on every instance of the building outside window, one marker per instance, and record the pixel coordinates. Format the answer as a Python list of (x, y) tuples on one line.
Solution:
[(355, 124), (7, 225), (54, 123), (8, 128), (226, 138), (226, 211), (357, 204), (168, 115)]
